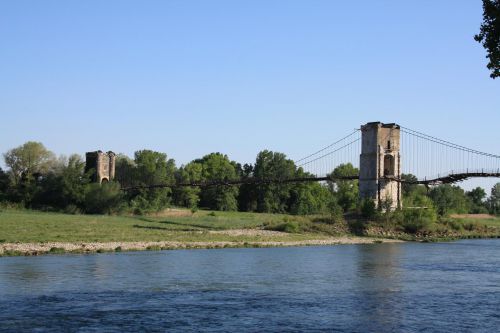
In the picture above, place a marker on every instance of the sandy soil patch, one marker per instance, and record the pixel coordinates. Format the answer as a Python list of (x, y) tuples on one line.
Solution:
[(249, 232), (172, 212), (42, 248), (472, 216)]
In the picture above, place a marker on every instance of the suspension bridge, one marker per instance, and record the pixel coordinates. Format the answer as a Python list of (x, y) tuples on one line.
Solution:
[(383, 154)]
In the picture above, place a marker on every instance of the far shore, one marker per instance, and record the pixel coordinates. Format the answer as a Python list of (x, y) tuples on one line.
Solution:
[(27, 232), (97, 247)]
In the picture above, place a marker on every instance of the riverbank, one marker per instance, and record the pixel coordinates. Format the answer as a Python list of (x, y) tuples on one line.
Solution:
[(24, 232), (56, 248)]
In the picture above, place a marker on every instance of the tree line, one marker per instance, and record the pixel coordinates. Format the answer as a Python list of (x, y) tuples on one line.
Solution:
[(35, 178)]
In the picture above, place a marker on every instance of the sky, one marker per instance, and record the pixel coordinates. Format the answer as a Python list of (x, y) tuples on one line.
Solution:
[(192, 77)]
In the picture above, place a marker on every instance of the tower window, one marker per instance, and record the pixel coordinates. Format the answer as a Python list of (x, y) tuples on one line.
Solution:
[(389, 165), (389, 144)]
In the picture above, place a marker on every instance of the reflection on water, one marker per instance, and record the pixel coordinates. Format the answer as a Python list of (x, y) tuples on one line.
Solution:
[(357, 288)]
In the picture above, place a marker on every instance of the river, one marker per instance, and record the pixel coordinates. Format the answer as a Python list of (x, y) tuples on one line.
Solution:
[(404, 287)]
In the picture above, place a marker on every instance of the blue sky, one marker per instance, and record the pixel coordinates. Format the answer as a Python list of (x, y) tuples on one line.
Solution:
[(192, 77)]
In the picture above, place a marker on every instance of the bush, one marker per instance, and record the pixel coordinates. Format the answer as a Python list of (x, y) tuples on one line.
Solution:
[(102, 198), (72, 209), (336, 212), (368, 209), (416, 225), (290, 227), (452, 224)]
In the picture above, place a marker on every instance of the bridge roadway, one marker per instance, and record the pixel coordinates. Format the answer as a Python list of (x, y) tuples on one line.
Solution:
[(448, 179)]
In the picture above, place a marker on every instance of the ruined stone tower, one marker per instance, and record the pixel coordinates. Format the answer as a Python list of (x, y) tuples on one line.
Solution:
[(380, 164), (103, 165)]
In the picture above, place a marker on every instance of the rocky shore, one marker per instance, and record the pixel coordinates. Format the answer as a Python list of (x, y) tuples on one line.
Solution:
[(91, 247)]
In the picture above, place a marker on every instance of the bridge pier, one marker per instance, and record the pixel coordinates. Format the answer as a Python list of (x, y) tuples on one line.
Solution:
[(380, 165)]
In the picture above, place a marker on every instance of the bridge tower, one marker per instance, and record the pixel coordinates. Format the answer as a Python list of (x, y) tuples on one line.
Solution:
[(102, 164), (380, 164)]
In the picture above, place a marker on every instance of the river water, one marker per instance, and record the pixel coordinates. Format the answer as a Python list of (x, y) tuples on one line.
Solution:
[(408, 287)]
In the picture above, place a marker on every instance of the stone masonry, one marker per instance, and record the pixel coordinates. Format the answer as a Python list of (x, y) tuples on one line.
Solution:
[(102, 164), (380, 164)]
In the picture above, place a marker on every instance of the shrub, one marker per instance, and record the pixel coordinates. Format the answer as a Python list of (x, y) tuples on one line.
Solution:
[(368, 209), (452, 224), (290, 227), (72, 209), (336, 212), (416, 225), (102, 199)]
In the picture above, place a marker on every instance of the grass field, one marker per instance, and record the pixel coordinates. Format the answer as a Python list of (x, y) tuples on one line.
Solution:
[(25, 226), (182, 228)]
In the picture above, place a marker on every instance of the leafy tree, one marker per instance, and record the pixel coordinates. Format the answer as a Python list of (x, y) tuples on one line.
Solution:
[(409, 183), (346, 192), (310, 198), (29, 160), (4, 185), (64, 187), (188, 196), (449, 199), (494, 200), (489, 35), (152, 168), (124, 170), (417, 205), (247, 197), (218, 167), (477, 203), (273, 198), (103, 198), (28, 163)]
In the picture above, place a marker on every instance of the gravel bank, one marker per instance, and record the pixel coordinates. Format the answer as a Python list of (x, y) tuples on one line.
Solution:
[(84, 247)]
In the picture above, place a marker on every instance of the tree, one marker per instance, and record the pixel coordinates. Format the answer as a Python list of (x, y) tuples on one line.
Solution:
[(4, 185), (103, 198), (188, 196), (346, 192), (409, 183), (217, 167), (64, 187), (152, 168), (247, 197), (273, 197), (124, 170), (28, 164), (310, 197), (489, 35), (476, 197), (494, 200), (449, 199), (29, 160)]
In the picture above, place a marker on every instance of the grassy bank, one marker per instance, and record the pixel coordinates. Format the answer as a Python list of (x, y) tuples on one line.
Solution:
[(446, 228), (33, 232), (178, 225)]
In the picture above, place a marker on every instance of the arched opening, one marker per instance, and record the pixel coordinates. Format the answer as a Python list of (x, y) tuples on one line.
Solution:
[(104, 180), (389, 166)]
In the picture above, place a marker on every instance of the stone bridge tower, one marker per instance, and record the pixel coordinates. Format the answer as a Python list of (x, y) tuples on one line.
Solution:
[(380, 164), (103, 165)]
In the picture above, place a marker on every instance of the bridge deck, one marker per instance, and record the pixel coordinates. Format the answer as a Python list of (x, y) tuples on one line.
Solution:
[(448, 179)]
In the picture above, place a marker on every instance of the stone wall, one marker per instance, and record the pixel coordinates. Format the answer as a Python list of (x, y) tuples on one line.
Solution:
[(380, 161), (102, 165)]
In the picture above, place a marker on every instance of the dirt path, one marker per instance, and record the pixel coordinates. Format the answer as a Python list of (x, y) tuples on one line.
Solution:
[(83, 247)]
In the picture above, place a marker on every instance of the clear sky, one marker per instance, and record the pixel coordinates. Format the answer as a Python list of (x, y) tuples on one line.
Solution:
[(192, 77)]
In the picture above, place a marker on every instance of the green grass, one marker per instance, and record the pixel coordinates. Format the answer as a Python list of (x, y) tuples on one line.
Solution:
[(25, 226), (492, 222)]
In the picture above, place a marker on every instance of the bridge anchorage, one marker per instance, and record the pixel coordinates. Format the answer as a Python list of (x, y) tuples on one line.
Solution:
[(382, 157)]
